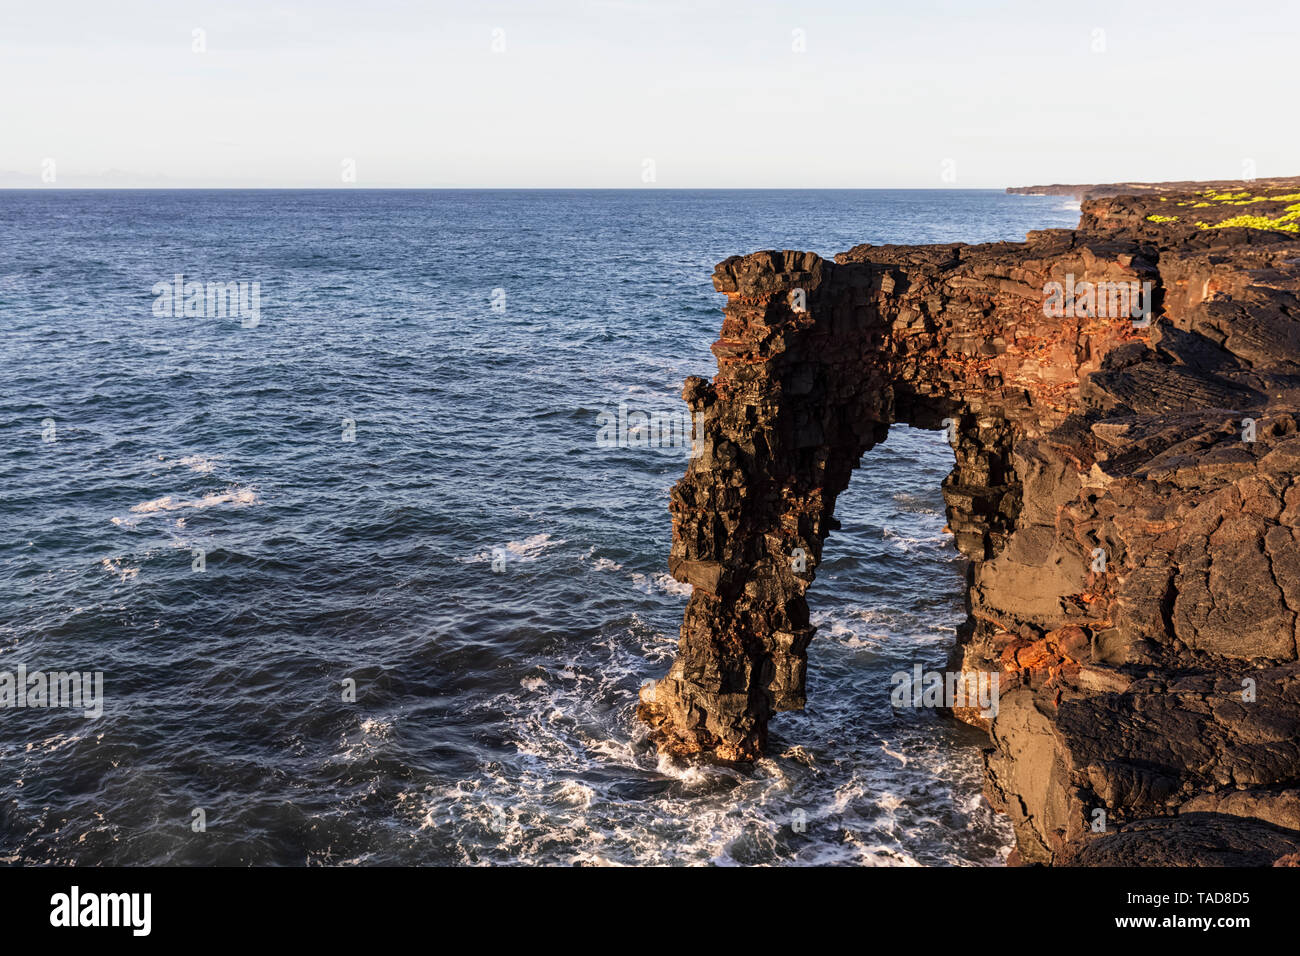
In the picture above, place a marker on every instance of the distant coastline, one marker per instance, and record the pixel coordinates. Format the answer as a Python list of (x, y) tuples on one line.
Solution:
[(1081, 191)]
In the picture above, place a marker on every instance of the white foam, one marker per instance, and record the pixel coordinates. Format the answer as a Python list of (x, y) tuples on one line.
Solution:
[(906, 543), (661, 583), (576, 794), (901, 758), (238, 498), (847, 636), (550, 801), (198, 464), (517, 552), (372, 733), (117, 567), (888, 802)]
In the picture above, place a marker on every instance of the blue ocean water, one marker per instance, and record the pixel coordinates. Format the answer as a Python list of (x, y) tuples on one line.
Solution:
[(490, 578)]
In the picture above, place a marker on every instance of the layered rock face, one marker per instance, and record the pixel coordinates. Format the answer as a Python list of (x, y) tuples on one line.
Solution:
[(1123, 401)]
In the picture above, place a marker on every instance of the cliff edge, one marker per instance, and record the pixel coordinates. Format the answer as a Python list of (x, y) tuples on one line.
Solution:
[(1123, 401)]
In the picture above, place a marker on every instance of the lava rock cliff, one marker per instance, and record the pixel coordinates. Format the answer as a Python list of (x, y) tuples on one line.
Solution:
[(1125, 488)]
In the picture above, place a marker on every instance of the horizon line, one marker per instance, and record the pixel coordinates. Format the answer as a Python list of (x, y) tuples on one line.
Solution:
[(48, 188)]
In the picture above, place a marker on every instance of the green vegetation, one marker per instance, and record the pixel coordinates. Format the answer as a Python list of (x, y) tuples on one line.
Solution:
[(1162, 218)]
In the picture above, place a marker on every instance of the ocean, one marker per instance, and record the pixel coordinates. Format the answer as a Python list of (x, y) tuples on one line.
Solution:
[(361, 582)]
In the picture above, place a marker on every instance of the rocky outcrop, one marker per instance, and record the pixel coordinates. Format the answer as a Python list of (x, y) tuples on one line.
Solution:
[(1123, 401)]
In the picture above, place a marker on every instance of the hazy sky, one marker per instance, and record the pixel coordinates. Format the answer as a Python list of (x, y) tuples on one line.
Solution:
[(585, 92)]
